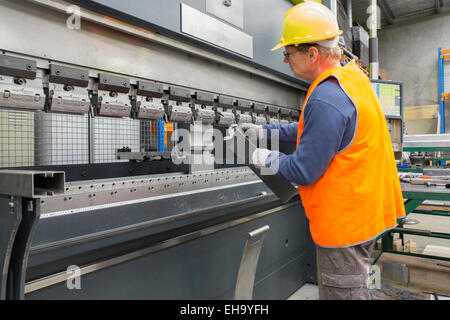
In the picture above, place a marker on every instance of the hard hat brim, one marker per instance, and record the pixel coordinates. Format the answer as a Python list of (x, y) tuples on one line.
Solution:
[(281, 45), (278, 46)]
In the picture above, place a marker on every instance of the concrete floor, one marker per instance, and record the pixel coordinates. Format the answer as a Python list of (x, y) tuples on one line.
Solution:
[(307, 292)]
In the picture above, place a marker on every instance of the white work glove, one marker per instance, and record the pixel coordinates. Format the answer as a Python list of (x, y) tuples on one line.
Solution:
[(253, 131), (259, 157)]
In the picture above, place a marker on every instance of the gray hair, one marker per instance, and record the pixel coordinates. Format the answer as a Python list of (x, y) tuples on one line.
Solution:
[(335, 52)]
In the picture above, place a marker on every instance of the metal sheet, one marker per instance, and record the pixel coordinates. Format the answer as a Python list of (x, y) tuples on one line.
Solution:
[(230, 11), (427, 140), (282, 188), (202, 26)]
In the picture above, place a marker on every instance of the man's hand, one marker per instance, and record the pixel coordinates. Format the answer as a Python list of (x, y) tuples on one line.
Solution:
[(259, 157), (253, 131)]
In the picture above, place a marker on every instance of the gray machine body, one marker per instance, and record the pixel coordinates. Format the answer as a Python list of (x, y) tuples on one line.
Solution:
[(147, 228), (261, 21)]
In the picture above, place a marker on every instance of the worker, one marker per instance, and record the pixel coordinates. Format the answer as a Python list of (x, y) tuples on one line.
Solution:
[(344, 163)]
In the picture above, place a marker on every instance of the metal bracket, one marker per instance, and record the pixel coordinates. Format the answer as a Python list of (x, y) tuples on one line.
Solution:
[(258, 113), (66, 90), (111, 83), (225, 118), (144, 104), (274, 121), (285, 115), (206, 116), (179, 112), (202, 98), (143, 156), (149, 89), (295, 115), (21, 93), (68, 76), (148, 108), (111, 97), (112, 104), (259, 108), (203, 108), (285, 112), (226, 102), (31, 184), (243, 118), (273, 111), (17, 67), (246, 274), (63, 98), (179, 94), (259, 120), (244, 105)]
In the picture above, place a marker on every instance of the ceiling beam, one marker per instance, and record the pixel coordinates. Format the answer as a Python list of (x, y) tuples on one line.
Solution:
[(387, 11)]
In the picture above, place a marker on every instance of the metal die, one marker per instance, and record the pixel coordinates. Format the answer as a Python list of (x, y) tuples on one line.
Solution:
[(19, 85), (243, 118), (258, 113), (295, 115), (149, 108), (260, 120), (203, 111), (285, 115), (111, 97), (179, 112), (273, 113), (226, 102), (244, 105), (68, 99), (146, 101), (21, 93), (112, 104), (107, 191), (225, 118), (66, 90), (273, 120), (206, 116)]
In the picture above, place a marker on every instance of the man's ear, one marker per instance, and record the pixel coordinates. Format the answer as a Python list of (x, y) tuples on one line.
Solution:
[(313, 54)]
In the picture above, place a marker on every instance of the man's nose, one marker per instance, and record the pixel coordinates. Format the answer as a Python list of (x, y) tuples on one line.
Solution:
[(286, 60)]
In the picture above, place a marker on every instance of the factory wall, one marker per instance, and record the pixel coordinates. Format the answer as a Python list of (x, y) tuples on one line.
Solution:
[(409, 53)]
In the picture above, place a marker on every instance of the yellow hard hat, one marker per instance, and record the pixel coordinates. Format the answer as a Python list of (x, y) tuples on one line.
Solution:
[(308, 22)]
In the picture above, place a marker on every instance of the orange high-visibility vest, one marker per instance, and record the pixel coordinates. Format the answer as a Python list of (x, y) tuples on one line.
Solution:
[(359, 196)]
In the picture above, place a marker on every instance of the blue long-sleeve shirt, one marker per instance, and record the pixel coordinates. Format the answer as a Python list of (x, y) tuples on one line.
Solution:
[(329, 120)]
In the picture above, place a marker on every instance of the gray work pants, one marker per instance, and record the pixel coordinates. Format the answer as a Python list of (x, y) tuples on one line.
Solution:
[(342, 273)]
